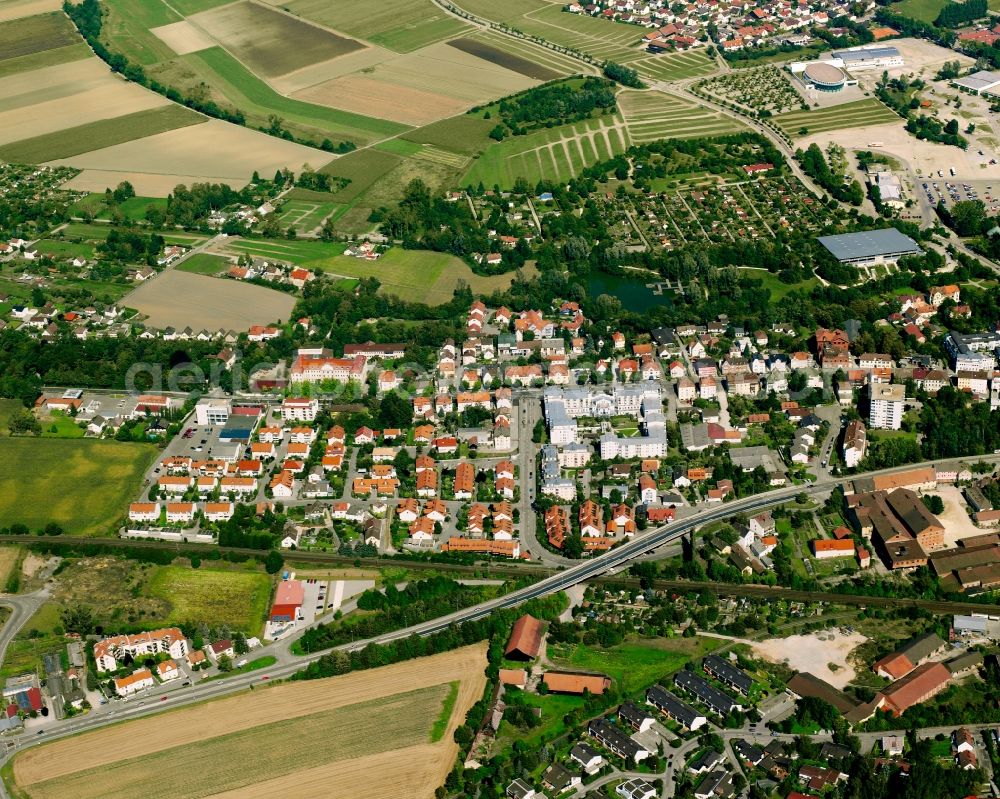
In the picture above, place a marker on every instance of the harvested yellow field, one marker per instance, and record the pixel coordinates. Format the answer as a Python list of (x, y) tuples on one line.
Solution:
[(144, 183), (272, 42), (357, 61), (364, 735), (16, 9), (376, 98), (183, 299), (183, 37), (65, 96), (214, 150), (450, 71)]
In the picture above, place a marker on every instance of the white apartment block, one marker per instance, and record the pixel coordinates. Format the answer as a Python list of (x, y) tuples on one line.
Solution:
[(109, 651), (887, 401), (299, 409)]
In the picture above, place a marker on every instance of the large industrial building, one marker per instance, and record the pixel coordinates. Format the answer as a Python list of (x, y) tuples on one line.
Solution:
[(870, 247), (833, 73)]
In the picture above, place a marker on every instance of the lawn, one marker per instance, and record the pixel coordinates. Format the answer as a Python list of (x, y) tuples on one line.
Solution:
[(553, 707), (237, 599), (204, 264), (96, 135), (65, 249), (778, 289), (61, 426), (635, 664), (84, 486), (250, 93), (924, 10), (418, 275)]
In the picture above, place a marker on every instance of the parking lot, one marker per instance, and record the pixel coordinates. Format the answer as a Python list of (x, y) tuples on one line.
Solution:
[(950, 191)]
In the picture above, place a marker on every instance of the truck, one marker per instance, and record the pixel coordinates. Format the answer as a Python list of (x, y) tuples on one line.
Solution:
[(951, 169)]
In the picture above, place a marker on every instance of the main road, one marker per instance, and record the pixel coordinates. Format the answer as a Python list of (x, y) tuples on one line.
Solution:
[(610, 562)]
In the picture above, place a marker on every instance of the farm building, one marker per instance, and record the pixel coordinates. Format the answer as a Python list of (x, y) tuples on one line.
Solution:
[(525, 639)]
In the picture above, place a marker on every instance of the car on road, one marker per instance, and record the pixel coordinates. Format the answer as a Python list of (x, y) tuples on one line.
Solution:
[(266, 677), (163, 699)]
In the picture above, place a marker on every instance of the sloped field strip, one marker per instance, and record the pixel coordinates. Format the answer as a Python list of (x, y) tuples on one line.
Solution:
[(602, 39), (245, 90), (674, 66), (556, 154), (274, 739), (557, 62), (860, 113), (29, 35), (103, 133), (399, 25), (654, 115)]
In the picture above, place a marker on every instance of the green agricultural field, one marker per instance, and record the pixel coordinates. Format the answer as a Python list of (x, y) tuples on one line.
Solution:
[(252, 95), (238, 599), (30, 35), (652, 115), (189, 7), (417, 275), (466, 134), (202, 263), (8, 407), (95, 135), (127, 26), (84, 486), (558, 153), (85, 232), (860, 113), (363, 169), (923, 10), (399, 25), (44, 58), (636, 663)]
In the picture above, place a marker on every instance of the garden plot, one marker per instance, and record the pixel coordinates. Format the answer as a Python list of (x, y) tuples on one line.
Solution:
[(305, 215), (652, 115), (260, 37), (765, 89)]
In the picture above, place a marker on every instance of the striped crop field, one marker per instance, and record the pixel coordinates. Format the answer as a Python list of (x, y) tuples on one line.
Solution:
[(655, 115), (563, 64), (554, 154), (858, 114), (674, 66), (437, 155), (600, 38)]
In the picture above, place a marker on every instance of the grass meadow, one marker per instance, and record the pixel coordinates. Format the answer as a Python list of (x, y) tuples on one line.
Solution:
[(84, 486), (238, 599)]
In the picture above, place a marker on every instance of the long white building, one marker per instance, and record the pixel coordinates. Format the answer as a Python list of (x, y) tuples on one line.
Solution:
[(108, 652)]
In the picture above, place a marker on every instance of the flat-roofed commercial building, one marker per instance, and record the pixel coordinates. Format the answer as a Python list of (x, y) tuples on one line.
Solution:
[(870, 247)]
